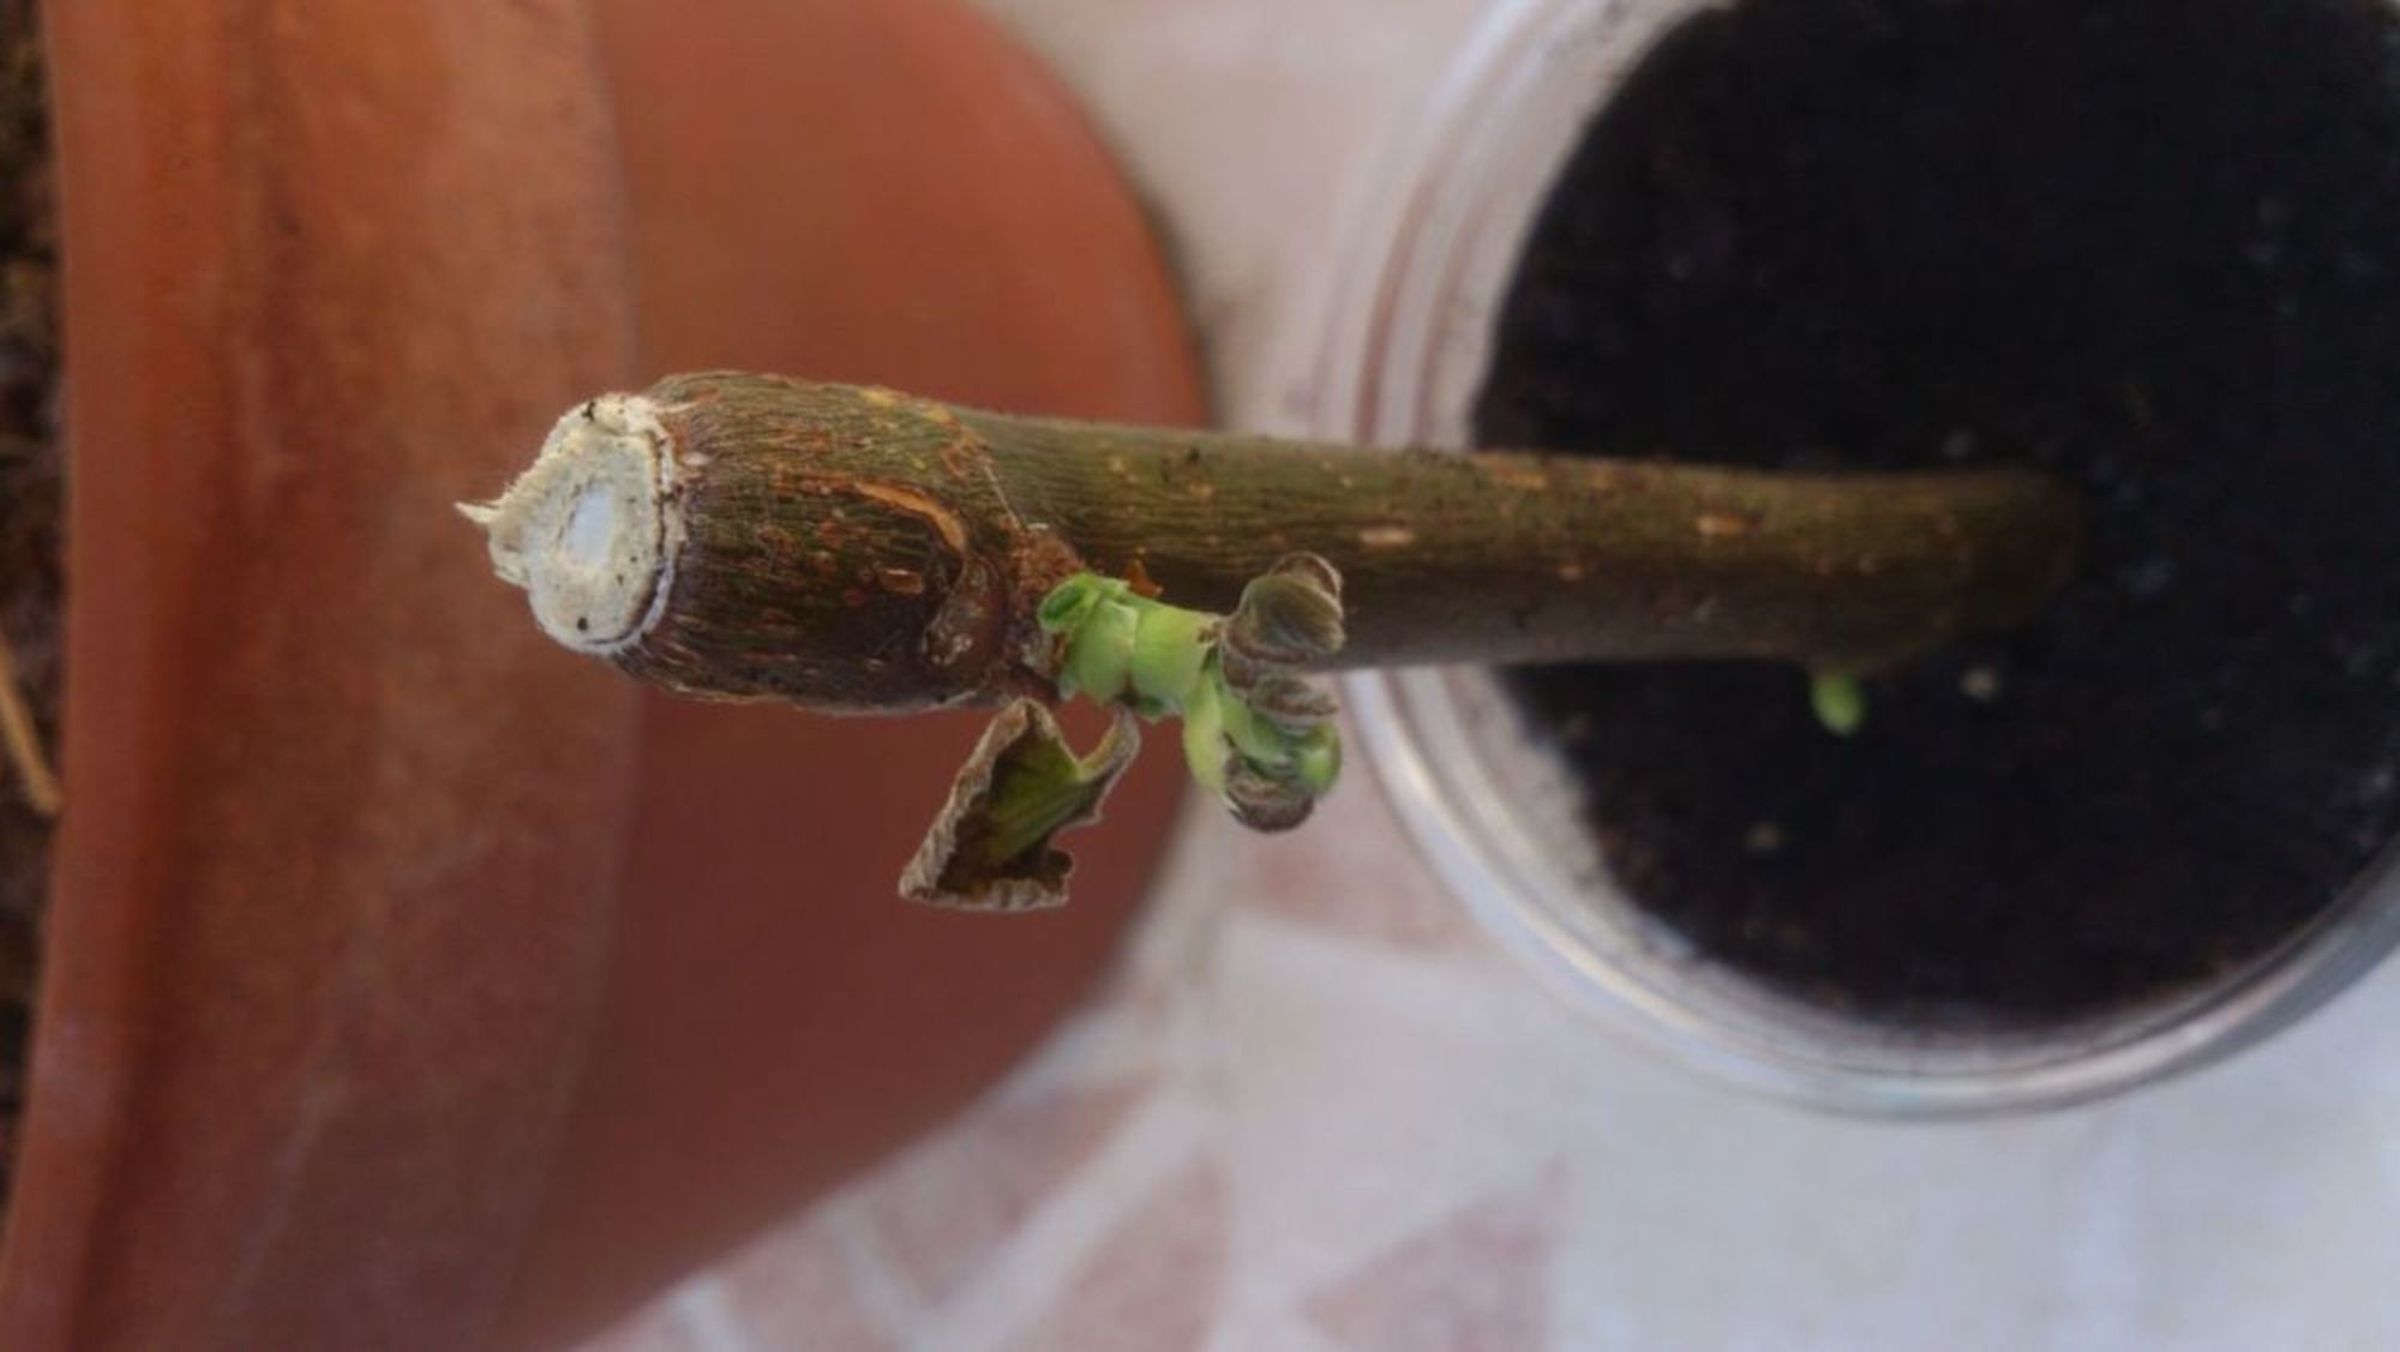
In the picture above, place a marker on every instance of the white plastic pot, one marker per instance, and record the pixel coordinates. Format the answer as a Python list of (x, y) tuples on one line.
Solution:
[(1488, 802)]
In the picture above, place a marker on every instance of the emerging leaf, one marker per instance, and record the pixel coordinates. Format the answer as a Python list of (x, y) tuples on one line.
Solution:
[(990, 849)]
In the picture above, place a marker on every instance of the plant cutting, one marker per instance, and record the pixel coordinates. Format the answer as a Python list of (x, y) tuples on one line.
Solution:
[(748, 537), (2057, 853)]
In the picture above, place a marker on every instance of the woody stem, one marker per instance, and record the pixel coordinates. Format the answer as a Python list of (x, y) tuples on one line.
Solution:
[(754, 537)]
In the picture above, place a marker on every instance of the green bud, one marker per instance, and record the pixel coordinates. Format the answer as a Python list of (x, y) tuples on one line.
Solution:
[(1255, 733), (1204, 746), (1071, 601), (1255, 738), (1318, 760), (1170, 649), (1839, 700), (1100, 652)]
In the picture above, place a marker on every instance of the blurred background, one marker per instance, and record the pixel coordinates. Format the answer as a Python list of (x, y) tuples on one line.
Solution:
[(402, 981)]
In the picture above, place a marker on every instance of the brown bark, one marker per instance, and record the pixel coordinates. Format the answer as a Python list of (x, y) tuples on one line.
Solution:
[(863, 550)]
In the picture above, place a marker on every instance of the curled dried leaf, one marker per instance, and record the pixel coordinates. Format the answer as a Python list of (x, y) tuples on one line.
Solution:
[(1266, 802), (1292, 704), (990, 848), (1289, 616)]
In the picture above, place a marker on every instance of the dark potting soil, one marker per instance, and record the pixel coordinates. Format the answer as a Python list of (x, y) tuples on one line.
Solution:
[(2150, 245), (32, 471)]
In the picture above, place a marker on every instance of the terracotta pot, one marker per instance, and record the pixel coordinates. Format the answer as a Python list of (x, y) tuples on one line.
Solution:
[(408, 982), (977, 247)]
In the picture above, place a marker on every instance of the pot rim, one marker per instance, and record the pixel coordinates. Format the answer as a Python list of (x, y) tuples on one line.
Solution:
[(1406, 337)]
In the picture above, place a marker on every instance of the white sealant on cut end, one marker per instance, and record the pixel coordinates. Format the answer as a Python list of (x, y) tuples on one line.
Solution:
[(591, 531)]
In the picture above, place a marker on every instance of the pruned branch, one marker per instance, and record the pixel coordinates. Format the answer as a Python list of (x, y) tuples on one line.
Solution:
[(751, 537)]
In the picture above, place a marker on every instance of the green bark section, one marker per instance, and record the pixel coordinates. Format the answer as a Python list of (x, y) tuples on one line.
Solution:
[(1512, 558), (856, 549)]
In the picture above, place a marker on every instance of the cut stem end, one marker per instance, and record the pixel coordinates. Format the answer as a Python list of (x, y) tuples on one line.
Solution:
[(591, 530)]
